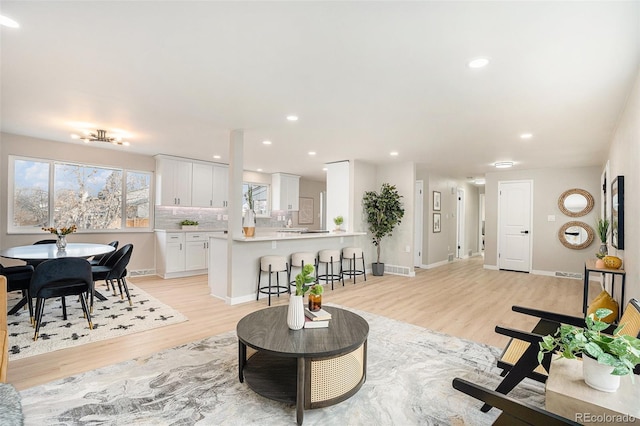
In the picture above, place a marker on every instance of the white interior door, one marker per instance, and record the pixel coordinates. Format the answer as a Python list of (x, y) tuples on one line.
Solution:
[(514, 225), (418, 226), (460, 225)]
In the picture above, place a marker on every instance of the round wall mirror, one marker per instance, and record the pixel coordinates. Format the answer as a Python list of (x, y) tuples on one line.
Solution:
[(575, 202), (576, 235)]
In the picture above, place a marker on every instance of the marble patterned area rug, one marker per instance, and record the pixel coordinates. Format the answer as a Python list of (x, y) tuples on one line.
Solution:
[(409, 375), (111, 318)]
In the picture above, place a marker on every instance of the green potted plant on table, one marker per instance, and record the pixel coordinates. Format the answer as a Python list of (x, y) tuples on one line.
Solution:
[(602, 227), (606, 357), (338, 221), (295, 313), (383, 212)]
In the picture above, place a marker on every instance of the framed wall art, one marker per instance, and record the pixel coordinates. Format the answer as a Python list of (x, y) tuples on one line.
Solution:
[(437, 225), (617, 212), (436, 201), (305, 215)]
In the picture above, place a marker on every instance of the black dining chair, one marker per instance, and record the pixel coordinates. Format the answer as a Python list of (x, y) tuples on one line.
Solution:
[(68, 276), (18, 279), (101, 259), (115, 271)]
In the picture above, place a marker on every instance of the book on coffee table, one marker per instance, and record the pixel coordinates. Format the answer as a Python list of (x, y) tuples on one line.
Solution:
[(309, 323), (320, 315)]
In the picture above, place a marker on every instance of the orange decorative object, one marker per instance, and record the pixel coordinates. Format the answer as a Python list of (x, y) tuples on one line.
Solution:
[(612, 262)]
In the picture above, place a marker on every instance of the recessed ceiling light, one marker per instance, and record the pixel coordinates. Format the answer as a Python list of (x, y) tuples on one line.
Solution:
[(259, 170), (292, 117), (312, 153), (266, 142), (8, 22), (324, 169), (526, 135), (217, 157), (478, 63), (479, 181), (393, 153), (74, 136), (503, 164)]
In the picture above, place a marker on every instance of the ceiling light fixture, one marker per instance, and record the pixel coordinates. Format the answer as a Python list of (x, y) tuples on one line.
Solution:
[(526, 135), (292, 117), (324, 169), (217, 157), (266, 142), (503, 164), (100, 136), (479, 181), (478, 63), (258, 170), (8, 22), (393, 153), (312, 153)]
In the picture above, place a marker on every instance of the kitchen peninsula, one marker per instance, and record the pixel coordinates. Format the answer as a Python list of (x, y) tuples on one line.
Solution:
[(234, 262)]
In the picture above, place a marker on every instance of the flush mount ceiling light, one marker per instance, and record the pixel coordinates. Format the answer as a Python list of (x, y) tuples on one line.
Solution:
[(526, 136), (478, 63), (258, 170), (100, 136), (479, 181), (266, 142), (8, 22), (312, 153), (217, 157), (292, 117), (393, 153), (503, 164)]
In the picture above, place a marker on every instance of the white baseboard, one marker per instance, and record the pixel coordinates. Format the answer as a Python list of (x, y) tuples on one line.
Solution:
[(490, 267)]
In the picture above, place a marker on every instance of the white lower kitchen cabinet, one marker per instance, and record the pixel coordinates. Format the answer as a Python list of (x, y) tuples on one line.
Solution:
[(181, 254)]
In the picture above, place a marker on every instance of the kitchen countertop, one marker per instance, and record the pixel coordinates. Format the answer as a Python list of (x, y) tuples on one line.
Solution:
[(192, 230), (289, 235)]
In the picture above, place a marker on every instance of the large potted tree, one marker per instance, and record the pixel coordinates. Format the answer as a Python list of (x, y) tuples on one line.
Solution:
[(383, 212)]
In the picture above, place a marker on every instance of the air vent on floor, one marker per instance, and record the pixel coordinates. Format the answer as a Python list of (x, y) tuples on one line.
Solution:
[(396, 270), (450, 257), (569, 274)]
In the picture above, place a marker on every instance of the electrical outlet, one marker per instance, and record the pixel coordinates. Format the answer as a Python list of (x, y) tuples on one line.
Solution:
[(225, 217), (341, 240), (219, 217), (551, 218), (407, 249)]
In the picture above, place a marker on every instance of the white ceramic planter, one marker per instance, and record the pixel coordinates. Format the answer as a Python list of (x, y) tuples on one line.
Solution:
[(295, 314), (599, 376)]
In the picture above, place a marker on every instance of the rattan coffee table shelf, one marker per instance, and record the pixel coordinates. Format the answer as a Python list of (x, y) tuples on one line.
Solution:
[(311, 368)]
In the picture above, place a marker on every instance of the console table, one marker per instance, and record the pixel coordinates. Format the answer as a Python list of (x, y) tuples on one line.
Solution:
[(568, 395), (310, 368), (590, 267)]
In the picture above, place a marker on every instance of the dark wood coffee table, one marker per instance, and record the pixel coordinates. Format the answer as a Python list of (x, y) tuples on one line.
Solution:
[(310, 368)]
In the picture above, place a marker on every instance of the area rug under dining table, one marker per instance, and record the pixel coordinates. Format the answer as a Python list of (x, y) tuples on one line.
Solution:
[(409, 375), (111, 318)]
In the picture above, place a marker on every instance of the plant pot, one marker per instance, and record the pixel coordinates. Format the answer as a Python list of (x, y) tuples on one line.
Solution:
[(600, 264), (249, 223), (189, 227), (315, 302), (598, 376), (603, 249), (295, 314), (377, 269)]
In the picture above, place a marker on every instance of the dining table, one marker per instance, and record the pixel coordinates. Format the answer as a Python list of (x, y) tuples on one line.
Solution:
[(51, 251)]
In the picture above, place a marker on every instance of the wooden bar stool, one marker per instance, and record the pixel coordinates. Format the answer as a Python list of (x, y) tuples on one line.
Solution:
[(272, 265), (329, 257), (351, 254), (298, 260)]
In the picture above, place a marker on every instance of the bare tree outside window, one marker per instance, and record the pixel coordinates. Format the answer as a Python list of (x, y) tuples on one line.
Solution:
[(31, 194)]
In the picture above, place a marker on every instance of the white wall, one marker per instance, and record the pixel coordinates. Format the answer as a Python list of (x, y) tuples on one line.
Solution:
[(549, 255), (624, 160), (338, 196)]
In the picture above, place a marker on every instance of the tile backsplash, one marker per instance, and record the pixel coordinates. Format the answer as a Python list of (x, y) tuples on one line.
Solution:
[(169, 217)]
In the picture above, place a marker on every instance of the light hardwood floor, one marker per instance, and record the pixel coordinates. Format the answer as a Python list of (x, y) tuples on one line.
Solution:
[(461, 298)]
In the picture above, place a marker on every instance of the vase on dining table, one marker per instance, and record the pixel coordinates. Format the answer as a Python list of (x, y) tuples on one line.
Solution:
[(62, 242)]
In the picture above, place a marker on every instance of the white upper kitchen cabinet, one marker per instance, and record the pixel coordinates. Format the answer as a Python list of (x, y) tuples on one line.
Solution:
[(210, 185), (173, 182), (285, 190)]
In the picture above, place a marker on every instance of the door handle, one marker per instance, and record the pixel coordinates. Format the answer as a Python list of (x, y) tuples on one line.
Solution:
[(524, 232)]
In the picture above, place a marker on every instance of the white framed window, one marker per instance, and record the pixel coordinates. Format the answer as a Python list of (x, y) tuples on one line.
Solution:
[(44, 193), (260, 193)]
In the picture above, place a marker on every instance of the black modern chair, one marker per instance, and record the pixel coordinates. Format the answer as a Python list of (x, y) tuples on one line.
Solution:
[(514, 412), (34, 262), (115, 271), (69, 276), (101, 259), (520, 357), (18, 279)]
